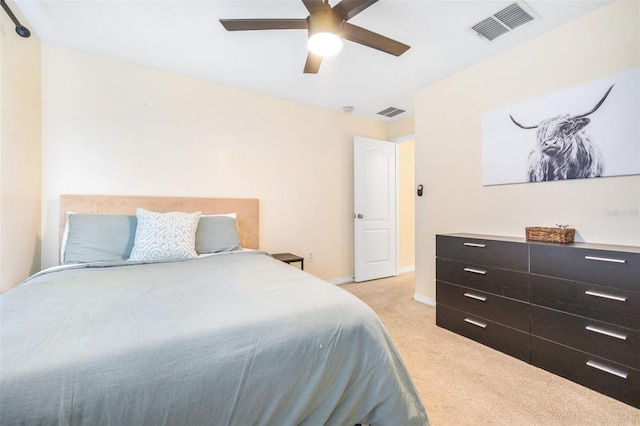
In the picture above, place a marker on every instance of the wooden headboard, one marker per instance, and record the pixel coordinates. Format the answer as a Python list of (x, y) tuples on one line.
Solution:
[(246, 209)]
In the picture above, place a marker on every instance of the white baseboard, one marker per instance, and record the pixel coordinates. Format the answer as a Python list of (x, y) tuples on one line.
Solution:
[(345, 280), (339, 281), (423, 299)]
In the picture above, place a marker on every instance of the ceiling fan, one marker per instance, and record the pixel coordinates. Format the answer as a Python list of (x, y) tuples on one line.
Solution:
[(327, 27)]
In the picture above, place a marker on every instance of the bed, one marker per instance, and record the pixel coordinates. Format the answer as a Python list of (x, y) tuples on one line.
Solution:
[(232, 337)]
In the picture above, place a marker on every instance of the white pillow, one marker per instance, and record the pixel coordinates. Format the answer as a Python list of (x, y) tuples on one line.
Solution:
[(65, 237), (161, 236)]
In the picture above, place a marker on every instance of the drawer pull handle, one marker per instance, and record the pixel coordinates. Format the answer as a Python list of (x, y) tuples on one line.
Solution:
[(607, 369), (476, 323), (605, 259), (476, 297), (475, 271), (605, 296), (606, 332), (475, 245)]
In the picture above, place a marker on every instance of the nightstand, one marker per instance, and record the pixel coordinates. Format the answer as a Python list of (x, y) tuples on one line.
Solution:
[(289, 258)]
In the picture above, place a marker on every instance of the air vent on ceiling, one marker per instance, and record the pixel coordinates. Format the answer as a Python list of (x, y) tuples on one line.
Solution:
[(504, 21), (391, 112)]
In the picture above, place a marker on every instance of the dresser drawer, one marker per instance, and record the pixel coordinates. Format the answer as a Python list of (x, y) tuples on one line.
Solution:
[(618, 344), (496, 336), (509, 312), (492, 280), (607, 268), (617, 381), (499, 254), (612, 305)]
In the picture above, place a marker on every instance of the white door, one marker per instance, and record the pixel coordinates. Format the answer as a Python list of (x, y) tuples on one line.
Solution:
[(375, 209)]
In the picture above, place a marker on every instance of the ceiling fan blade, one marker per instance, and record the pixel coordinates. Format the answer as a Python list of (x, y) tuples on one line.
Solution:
[(374, 40), (313, 63), (313, 5), (347, 9), (263, 24)]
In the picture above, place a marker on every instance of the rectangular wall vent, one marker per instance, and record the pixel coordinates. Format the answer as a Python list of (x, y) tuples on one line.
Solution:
[(391, 112), (504, 21)]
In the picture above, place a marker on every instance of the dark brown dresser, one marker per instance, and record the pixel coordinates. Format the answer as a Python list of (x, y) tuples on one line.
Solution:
[(572, 309), (585, 316)]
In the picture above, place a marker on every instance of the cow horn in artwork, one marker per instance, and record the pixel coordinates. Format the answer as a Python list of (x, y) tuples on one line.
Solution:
[(577, 116), (598, 104)]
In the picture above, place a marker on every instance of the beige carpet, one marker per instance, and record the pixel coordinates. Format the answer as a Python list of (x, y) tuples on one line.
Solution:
[(462, 382)]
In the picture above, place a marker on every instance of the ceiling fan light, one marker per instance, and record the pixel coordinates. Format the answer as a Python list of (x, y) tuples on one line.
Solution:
[(325, 44)]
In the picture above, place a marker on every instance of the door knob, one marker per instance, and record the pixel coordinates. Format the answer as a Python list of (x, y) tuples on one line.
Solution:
[(360, 216)]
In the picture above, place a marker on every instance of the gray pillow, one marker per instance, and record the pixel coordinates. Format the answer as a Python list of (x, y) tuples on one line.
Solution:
[(216, 234), (99, 237)]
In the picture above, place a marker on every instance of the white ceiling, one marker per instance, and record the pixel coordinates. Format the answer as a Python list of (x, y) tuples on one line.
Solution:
[(185, 37)]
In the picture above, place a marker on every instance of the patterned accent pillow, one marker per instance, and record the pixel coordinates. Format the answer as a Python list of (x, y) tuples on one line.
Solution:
[(161, 236)]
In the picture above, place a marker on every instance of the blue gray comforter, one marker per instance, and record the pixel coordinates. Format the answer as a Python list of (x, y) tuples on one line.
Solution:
[(234, 339)]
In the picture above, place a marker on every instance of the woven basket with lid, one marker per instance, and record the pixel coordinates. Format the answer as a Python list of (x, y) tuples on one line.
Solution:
[(554, 235)]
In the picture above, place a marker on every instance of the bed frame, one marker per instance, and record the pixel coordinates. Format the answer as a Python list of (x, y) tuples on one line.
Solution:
[(246, 209)]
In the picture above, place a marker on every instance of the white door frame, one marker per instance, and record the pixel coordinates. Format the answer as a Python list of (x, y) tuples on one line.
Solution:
[(398, 141)]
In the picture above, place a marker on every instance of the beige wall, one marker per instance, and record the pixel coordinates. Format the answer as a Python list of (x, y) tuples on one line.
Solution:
[(448, 141), (402, 131), (116, 128), (113, 127), (19, 153), (402, 128), (406, 205)]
